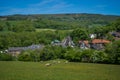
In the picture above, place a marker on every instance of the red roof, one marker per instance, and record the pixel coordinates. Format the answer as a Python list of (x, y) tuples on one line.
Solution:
[(94, 41), (85, 41)]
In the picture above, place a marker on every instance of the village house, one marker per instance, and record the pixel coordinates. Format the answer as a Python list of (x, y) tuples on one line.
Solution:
[(92, 36), (116, 35), (97, 44), (55, 42), (15, 51), (68, 42), (64, 43), (84, 44)]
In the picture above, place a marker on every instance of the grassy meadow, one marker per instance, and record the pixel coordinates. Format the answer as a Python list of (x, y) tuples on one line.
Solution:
[(14, 70), (41, 30)]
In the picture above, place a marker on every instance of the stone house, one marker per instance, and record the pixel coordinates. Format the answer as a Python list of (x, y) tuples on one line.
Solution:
[(15, 51), (97, 44)]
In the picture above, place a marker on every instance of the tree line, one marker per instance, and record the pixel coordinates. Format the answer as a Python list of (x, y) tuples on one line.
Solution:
[(56, 21), (13, 39), (110, 55)]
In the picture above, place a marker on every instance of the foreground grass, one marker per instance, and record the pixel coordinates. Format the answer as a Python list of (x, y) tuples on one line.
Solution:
[(60, 71)]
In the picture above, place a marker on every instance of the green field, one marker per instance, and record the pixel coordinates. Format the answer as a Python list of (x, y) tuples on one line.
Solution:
[(14, 70), (40, 30)]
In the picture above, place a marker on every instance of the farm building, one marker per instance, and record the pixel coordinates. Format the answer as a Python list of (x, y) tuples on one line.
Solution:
[(14, 51)]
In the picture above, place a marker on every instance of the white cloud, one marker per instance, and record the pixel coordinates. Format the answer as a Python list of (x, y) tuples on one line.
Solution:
[(45, 6), (101, 6), (61, 5), (42, 3)]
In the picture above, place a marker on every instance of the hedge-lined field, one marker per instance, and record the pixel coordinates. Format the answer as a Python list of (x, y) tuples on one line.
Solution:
[(13, 70)]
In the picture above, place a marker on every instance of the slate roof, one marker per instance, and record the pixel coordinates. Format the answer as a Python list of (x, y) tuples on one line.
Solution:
[(32, 47)]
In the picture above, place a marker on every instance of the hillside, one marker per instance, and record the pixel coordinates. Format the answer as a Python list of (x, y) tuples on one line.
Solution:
[(61, 21), (26, 30)]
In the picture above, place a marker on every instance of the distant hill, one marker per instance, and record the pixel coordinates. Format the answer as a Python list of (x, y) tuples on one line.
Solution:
[(62, 21)]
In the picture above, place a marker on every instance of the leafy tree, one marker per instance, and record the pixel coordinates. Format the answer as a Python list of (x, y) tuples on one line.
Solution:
[(79, 34), (116, 25), (113, 51), (1, 27)]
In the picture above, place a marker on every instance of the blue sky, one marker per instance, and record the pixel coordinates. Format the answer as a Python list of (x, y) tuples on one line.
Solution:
[(107, 7)]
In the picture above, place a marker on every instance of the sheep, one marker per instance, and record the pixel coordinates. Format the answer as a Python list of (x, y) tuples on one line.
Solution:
[(58, 61), (41, 61), (54, 62), (66, 62), (48, 64)]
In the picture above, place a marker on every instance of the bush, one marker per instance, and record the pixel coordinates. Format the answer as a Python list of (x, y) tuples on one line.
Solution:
[(30, 55), (6, 57), (73, 55), (86, 55), (52, 52), (99, 57)]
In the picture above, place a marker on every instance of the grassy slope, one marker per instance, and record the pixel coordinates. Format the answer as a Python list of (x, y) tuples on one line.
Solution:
[(40, 30), (71, 71)]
